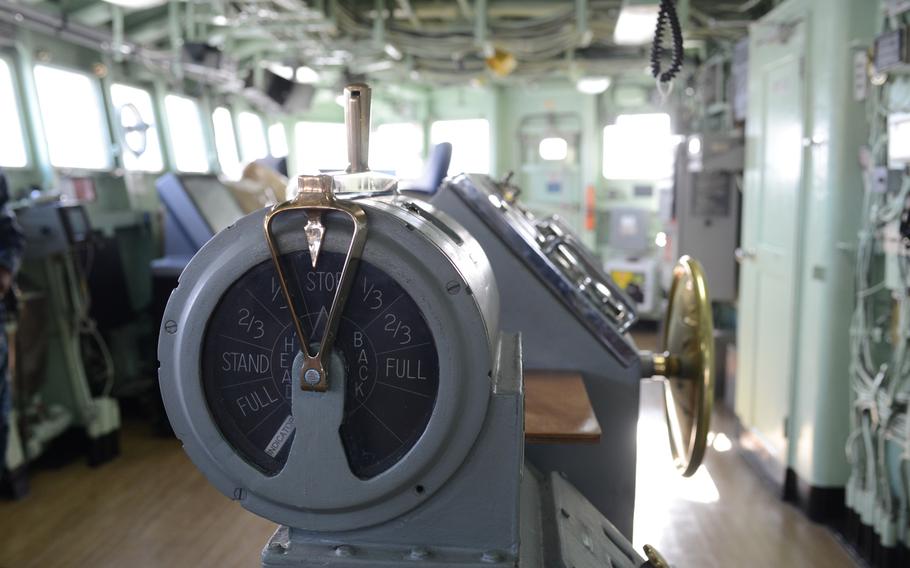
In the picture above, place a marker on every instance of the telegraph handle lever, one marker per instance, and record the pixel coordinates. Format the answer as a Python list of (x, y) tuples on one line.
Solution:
[(357, 122)]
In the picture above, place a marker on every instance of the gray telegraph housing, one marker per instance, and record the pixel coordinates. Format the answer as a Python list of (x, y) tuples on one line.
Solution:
[(462, 497)]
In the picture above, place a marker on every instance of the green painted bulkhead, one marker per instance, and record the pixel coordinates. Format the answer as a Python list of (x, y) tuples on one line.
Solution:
[(832, 129)]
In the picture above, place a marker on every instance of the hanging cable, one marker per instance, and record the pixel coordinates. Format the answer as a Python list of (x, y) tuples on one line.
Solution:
[(666, 15)]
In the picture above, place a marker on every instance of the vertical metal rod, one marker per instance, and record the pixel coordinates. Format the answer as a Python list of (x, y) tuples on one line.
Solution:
[(465, 9), (480, 22), (117, 32), (379, 24), (581, 22), (357, 123), (176, 40), (189, 21)]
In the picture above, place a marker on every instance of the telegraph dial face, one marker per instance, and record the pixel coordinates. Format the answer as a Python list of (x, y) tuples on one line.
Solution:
[(384, 350)]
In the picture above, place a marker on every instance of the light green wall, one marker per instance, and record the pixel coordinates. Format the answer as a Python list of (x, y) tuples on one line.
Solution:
[(519, 103), (506, 106), (833, 180), (834, 130)]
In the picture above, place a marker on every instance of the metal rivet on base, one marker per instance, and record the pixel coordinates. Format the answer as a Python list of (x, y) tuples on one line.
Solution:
[(278, 547), (419, 554), (312, 377), (492, 556)]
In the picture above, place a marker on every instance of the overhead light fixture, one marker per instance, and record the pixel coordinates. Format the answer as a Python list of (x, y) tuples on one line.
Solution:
[(219, 20), (306, 75), (137, 4), (376, 66), (282, 70), (593, 85), (393, 52), (636, 23)]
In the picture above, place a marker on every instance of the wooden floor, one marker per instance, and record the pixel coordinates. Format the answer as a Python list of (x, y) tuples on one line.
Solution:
[(148, 508), (724, 515), (151, 508)]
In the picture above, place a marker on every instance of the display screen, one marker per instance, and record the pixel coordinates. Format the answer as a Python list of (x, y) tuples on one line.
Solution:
[(391, 365), (76, 223)]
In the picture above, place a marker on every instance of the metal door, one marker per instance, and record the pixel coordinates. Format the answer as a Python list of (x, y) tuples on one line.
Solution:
[(772, 210)]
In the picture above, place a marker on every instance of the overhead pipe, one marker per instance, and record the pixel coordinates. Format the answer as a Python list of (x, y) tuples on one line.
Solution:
[(103, 41), (465, 9), (409, 13)]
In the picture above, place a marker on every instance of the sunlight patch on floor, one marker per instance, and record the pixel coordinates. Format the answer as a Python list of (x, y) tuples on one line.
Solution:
[(659, 483)]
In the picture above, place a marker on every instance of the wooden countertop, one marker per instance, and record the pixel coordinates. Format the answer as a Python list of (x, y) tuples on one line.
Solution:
[(558, 410)]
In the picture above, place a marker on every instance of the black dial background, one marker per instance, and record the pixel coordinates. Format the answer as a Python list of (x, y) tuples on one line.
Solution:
[(390, 362)]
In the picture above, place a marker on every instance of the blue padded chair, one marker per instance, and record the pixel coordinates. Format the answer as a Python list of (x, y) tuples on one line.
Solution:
[(434, 171)]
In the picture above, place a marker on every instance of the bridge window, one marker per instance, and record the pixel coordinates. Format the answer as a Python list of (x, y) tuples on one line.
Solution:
[(553, 149), (253, 145), (321, 146), (397, 148), (639, 147), (278, 140), (12, 142), (470, 139), (186, 135), (135, 113), (73, 118), (226, 143)]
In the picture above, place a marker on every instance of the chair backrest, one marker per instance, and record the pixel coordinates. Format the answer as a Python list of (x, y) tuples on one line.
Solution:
[(434, 171), (186, 230)]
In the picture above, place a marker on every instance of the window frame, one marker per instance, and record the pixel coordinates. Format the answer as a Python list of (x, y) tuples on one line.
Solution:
[(238, 134), (617, 125), (297, 145), (155, 115), (235, 142), (172, 149), (490, 143), (284, 133), (24, 125), (401, 169), (106, 130)]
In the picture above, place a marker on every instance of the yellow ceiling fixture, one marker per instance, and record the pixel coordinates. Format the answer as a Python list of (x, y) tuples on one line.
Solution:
[(501, 62)]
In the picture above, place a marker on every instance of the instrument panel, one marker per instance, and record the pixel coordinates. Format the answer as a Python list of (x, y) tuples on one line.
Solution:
[(557, 257)]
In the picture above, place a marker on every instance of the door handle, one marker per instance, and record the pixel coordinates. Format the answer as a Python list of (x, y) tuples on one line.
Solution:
[(742, 255)]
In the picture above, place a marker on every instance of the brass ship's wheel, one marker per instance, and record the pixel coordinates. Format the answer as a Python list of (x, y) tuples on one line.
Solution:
[(687, 365)]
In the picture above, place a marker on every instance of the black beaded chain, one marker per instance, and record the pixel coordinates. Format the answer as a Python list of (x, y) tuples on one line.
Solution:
[(667, 14)]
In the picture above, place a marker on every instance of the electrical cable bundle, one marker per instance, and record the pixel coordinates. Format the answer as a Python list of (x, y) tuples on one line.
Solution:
[(877, 489)]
